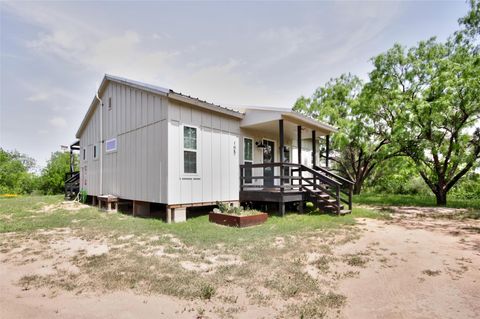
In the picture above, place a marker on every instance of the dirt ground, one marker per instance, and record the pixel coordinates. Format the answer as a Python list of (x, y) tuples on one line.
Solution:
[(415, 265)]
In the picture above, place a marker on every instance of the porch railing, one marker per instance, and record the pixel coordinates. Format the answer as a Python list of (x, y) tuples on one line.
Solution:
[(72, 184), (316, 181)]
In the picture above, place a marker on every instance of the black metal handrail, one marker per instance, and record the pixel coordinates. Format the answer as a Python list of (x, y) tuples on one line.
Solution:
[(72, 184), (333, 175), (71, 176), (320, 180)]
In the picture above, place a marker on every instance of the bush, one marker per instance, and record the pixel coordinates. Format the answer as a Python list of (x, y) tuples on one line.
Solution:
[(52, 180), (467, 188)]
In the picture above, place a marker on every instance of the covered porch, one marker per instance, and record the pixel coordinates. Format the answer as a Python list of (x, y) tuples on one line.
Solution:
[(286, 159)]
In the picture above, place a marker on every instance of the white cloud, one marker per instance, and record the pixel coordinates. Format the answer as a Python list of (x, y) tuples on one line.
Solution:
[(220, 70), (58, 122), (41, 96)]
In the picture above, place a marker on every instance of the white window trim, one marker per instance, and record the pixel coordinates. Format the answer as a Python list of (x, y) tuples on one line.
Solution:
[(116, 145), (183, 149), (253, 156), (95, 156)]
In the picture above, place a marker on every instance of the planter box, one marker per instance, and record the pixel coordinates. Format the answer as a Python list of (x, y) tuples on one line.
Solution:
[(237, 221)]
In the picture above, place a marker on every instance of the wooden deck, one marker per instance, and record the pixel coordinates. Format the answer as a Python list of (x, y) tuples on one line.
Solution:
[(324, 189), (272, 195)]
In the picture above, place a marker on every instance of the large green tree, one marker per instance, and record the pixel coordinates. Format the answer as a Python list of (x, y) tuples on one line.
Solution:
[(469, 32), (15, 173), (362, 141), (53, 175), (429, 94)]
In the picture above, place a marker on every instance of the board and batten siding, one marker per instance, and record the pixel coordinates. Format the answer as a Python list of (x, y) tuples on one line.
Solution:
[(137, 170), (218, 145)]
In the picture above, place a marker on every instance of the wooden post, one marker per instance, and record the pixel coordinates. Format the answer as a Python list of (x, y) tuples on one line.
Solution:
[(282, 153), (350, 191), (314, 149), (281, 205), (337, 194), (327, 155), (299, 144), (71, 161), (299, 150)]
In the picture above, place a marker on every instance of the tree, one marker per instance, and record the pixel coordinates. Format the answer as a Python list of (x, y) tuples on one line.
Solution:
[(430, 96), (53, 175), (470, 26), (361, 142), (15, 175)]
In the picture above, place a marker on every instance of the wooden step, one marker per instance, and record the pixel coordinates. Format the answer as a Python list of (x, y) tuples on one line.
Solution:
[(318, 192), (331, 207), (345, 211)]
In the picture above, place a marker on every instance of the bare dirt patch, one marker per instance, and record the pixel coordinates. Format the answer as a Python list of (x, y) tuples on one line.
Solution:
[(65, 205), (51, 269), (411, 266), (417, 269)]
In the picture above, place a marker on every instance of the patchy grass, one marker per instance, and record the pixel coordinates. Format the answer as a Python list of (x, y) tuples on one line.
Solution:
[(316, 308), (431, 273), (21, 215), (194, 260), (412, 200), (355, 260)]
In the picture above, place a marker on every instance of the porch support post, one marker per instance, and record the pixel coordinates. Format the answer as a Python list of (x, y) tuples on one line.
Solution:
[(314, 149), (71, 160), (282, 153), (281, 207), (327, 155), (299, 144), (299, 150)]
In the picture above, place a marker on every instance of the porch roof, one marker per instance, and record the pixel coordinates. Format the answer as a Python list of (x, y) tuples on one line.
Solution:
[(261, 119)]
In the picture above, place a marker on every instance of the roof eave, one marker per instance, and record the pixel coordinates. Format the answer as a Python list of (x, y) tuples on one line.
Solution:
[(310, 121), (205, 105)]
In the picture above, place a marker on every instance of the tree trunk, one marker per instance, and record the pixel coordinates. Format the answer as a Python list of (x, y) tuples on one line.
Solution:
[(357, 187), (441, 198)]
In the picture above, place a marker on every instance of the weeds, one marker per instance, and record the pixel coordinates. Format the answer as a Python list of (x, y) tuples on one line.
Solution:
[(355, 260), (431, 273)]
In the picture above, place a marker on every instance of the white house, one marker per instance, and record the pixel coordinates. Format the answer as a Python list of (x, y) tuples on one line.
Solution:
[(149, 144)]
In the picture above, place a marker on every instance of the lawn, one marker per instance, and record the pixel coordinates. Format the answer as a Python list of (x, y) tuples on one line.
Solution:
[(21, 215), (195, 260), (412, 200)]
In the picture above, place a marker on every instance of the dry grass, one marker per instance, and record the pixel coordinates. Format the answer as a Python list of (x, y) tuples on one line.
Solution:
[(97, 252)]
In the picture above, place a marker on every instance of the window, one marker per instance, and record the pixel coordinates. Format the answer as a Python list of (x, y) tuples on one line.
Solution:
[(109, 103), (189, 150), (248, 158), (84, 153), (111, 145), (95, 155)]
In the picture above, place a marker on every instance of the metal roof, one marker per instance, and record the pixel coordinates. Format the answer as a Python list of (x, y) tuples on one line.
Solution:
[(156, 90), (230, 111)]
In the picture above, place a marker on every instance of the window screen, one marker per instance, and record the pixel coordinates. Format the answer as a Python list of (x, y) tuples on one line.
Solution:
[(189, 150)]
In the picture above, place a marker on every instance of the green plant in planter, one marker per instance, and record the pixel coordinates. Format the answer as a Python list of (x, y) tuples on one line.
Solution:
[(234, 210), (224, 208)]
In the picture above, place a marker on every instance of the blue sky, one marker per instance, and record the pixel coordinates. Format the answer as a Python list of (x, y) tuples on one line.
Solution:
[(54, 54)]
